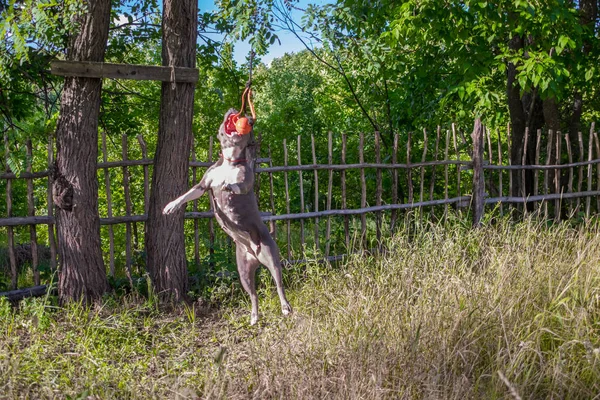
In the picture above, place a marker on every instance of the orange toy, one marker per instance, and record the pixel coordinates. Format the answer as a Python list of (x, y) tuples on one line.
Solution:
[(242, 124)]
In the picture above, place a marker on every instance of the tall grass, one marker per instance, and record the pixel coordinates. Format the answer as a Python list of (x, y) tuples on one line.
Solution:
[(505, 311)]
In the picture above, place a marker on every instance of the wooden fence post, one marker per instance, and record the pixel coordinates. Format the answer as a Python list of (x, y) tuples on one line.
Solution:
[(14, 273), (478, 181), (31, 213), (50, 209), (111, 234), (128, 210)]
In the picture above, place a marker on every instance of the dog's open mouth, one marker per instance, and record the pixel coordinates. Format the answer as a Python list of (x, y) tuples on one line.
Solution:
[(236, 125)]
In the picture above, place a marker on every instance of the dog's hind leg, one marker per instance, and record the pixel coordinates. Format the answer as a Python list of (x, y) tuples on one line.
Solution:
[(269, 257), (247, 265)]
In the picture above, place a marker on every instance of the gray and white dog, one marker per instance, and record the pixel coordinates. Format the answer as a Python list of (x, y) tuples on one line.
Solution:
[(231, 180)]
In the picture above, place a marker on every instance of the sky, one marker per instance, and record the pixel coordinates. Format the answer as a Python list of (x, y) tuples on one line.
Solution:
[(289, 42)]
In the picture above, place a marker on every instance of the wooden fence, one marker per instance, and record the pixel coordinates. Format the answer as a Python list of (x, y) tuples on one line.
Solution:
[(351, 194)]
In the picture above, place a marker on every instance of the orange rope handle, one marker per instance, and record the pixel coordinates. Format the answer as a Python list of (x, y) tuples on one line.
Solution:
[(243, 107), (251, 104), (247, 94)]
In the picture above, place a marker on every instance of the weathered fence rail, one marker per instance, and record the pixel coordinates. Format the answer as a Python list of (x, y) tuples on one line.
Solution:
[(355, 191)]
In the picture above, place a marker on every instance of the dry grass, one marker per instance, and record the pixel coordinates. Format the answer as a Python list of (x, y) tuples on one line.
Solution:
[(450, 313)]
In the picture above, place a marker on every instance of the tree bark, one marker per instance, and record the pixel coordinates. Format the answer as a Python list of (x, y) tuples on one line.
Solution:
[(82, 275), (165, 243), (518, 117), (525, 112), (588, 10)]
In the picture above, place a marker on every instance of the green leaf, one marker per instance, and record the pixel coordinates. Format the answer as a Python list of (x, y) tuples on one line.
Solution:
[(589, 74)]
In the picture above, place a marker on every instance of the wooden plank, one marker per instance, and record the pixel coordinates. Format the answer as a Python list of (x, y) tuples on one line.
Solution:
[(478, 179), (144, 148), (329, 192), (536, 182), (394, 183), (548, 157), (458, 175), (344, 199), (211, 221), (363, 190), (488, 137), (31, 213), (16, 295), (16, 221), (316, 187), (540, 167), (22, 221), (257, 175), (50, 210), (489, 143), (570, 182), (557, 177), (128, 211), (306, 167), (379, 194), (542, 197), (423, 158), (597, 142), (589, 174), (509, 158), (500, 188), (89, 69), (111, 234), (435, 158), (299, 155), (524, 162), (272, 199), (287, 201), (23, 175), (9, 230), (446, 174), (580, 170), (365, 210), (195, 207), (409, 170), (339, 167)]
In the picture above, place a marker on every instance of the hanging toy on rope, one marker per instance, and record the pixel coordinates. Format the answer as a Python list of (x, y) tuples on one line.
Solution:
[(239, 122)]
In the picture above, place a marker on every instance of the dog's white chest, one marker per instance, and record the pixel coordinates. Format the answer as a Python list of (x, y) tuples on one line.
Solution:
[(226, 174)]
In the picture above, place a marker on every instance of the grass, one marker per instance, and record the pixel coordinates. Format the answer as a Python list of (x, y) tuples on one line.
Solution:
[(505, 311)]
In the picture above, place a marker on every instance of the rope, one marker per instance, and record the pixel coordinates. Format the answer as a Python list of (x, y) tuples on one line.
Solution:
[(249, 83), (247, 94)]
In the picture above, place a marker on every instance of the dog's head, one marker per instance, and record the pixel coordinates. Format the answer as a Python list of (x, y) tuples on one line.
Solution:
[(235, 131)]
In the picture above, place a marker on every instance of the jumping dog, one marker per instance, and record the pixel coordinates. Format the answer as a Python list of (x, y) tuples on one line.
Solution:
[(231, 180)]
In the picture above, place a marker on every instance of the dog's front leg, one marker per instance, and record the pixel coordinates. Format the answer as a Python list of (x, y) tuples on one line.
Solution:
[(192, 194)]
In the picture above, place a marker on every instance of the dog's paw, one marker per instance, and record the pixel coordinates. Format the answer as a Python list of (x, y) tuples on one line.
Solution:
[(171, 207), (253, 319), (286, 309), (234, 188)]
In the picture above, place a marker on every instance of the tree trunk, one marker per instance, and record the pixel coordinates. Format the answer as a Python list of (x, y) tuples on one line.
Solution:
[(588, 10), (525, 113), (82, 275), (165, 243), (518, 117)]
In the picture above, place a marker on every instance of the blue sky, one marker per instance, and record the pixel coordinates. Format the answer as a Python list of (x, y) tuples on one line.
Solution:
[(289, 43)]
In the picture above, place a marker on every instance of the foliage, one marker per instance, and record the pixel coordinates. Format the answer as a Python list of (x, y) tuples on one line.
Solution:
[(430, 60), (473, 40), (250, 20)]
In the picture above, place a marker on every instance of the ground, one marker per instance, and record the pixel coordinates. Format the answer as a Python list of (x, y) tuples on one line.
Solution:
[(505, 311)]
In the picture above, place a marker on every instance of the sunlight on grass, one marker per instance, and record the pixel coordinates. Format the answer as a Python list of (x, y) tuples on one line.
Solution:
[(449, 312)]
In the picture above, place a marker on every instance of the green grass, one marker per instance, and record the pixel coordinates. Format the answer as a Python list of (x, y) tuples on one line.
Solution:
[(505, 311)]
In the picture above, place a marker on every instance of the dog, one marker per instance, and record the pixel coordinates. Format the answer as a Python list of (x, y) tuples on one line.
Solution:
[(231, 180)]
